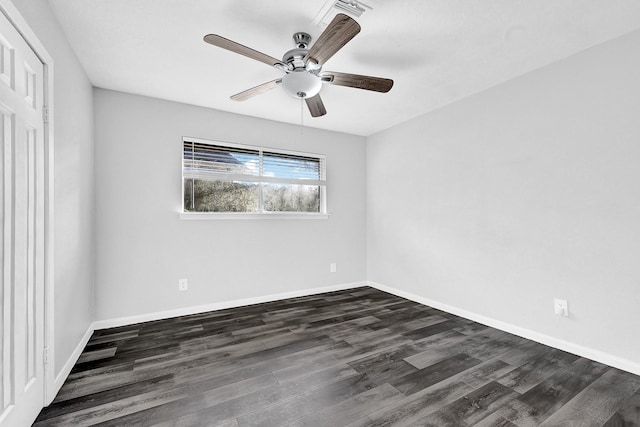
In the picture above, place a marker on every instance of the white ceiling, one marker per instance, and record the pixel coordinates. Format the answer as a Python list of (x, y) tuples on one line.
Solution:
[(436, 51)]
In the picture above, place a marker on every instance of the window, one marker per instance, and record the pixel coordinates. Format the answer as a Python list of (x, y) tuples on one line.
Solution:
[(226, 178)]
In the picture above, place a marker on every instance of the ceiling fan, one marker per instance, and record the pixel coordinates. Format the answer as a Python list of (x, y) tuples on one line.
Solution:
[(303, 65)]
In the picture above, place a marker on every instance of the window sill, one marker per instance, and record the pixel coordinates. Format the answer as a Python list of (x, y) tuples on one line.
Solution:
[(227, 216)]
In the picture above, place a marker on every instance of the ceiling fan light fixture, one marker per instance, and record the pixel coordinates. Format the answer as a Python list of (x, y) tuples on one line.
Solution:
[(301, 84)]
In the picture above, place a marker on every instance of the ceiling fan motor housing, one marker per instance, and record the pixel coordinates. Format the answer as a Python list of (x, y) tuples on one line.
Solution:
[(295, 57)]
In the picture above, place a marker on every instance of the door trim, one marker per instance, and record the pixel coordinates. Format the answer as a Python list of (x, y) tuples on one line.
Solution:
[(14, 16)]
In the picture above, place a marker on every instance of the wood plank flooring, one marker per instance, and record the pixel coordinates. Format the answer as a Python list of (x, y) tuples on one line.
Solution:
[(360, 357)]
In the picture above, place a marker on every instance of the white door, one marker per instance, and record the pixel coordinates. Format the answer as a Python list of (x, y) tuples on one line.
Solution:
[(22, 229)]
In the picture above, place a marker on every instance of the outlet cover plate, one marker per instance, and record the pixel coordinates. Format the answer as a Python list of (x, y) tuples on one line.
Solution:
[(183, 285), (561, 307)]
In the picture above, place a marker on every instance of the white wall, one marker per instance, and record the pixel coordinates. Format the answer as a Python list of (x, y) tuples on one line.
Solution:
[(525, 192), (73, 180), (143, 247)]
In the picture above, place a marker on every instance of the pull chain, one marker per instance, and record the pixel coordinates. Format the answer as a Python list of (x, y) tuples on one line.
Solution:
[(301, 116)]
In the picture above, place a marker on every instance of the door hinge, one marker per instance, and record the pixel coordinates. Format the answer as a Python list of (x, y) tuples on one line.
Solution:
[(46, 355), (45, 114)]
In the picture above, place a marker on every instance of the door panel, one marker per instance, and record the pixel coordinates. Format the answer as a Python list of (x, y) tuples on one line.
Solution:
[(22, 230)]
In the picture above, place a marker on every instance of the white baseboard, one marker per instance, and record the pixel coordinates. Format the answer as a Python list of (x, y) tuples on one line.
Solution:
[(577, 349), (59, 380), (147, 317)]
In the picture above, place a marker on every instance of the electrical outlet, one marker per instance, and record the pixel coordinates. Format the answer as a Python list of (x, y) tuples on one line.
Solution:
[(183, 285), (332, 267), (561, 307)]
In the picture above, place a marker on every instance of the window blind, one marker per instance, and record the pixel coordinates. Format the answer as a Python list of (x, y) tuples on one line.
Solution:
[(232, 163), (291, 168), (214, 162)]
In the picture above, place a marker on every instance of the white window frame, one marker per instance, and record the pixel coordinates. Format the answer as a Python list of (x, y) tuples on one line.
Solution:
[(262, 179)]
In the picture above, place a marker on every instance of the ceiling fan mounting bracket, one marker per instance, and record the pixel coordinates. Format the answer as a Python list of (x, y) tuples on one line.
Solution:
[(302, 40)]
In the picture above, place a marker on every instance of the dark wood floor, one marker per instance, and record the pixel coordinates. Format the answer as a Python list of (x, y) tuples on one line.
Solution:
[(358, 358)]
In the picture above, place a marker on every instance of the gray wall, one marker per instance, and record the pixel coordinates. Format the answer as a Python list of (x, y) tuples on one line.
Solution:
[(73, 180), (143, 247), (528, 191)]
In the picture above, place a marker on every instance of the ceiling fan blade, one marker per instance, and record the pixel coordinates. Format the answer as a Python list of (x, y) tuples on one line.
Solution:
[(220, 41), (377, 84), (257, 90), (316, 107), (337, 34)]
